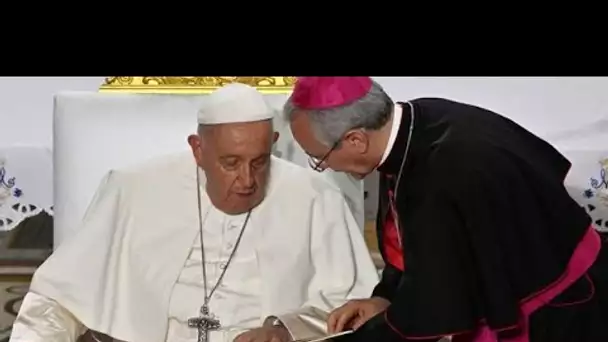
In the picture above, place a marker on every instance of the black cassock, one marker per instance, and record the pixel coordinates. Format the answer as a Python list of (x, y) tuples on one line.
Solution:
[(485, 222)]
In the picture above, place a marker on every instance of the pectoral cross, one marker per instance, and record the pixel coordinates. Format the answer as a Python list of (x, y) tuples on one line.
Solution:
[(204, 323)]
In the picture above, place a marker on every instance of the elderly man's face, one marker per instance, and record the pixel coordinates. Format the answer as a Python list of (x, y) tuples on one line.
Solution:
[(236, 161)]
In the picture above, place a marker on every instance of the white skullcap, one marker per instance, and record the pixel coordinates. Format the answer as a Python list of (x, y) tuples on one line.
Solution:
[(235, 102)]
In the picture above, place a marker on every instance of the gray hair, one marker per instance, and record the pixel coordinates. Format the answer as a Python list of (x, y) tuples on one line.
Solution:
[(370, 112)]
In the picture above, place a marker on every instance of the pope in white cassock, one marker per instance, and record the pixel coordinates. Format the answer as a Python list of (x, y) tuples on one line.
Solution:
[(231, 244)]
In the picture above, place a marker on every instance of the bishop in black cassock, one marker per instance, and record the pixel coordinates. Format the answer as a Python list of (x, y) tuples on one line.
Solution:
[(480, 239)]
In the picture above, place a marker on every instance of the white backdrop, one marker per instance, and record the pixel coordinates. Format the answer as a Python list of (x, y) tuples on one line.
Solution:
[(572, 112), (543, 105)]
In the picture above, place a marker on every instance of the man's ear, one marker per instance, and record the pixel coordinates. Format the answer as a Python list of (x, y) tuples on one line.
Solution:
[(275, 137), (196, 145), (358, 140)]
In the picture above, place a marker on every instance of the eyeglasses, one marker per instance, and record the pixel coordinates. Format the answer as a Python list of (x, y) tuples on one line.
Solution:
[(320, 165)]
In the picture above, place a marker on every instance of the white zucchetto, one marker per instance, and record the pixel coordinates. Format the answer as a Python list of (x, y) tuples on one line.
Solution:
[(233, 103)]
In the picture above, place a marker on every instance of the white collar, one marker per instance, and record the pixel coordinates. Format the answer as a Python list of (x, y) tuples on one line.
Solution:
[(397, 112)]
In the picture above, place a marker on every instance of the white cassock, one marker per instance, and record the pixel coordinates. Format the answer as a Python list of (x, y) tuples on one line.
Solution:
[(133, 270)]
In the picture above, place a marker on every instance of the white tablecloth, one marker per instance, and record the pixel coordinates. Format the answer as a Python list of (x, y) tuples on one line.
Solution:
[(26, 184)]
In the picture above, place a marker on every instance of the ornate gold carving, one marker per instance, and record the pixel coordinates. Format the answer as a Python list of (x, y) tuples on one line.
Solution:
[(194, 84)]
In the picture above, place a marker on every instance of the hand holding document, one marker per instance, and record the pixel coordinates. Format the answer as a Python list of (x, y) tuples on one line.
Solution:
[(355, 313), (310, 325)]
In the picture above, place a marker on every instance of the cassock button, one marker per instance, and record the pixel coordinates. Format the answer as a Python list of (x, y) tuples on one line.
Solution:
[(229, 245), (223, 265)]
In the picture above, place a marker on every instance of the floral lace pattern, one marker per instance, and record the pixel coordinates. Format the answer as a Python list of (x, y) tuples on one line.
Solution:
[(595, 196), (15, 206)]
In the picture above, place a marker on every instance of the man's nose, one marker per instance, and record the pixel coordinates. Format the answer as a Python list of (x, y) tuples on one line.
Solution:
[(246, 178)]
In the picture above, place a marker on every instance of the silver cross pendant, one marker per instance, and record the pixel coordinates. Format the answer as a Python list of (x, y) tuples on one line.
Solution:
[(204, 323)]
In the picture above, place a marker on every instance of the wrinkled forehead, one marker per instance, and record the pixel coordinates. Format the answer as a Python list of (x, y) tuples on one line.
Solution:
[(236, 135)]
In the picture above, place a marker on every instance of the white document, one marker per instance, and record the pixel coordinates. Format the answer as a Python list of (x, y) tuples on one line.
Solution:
[(328, 337)]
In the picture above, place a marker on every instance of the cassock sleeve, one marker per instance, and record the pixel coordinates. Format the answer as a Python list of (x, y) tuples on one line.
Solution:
[(343, 264), (391, 276), (41, 319), (435, 293), (435, 283)]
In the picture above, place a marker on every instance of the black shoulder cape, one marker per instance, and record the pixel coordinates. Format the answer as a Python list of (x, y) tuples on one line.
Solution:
[(485, 218)]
